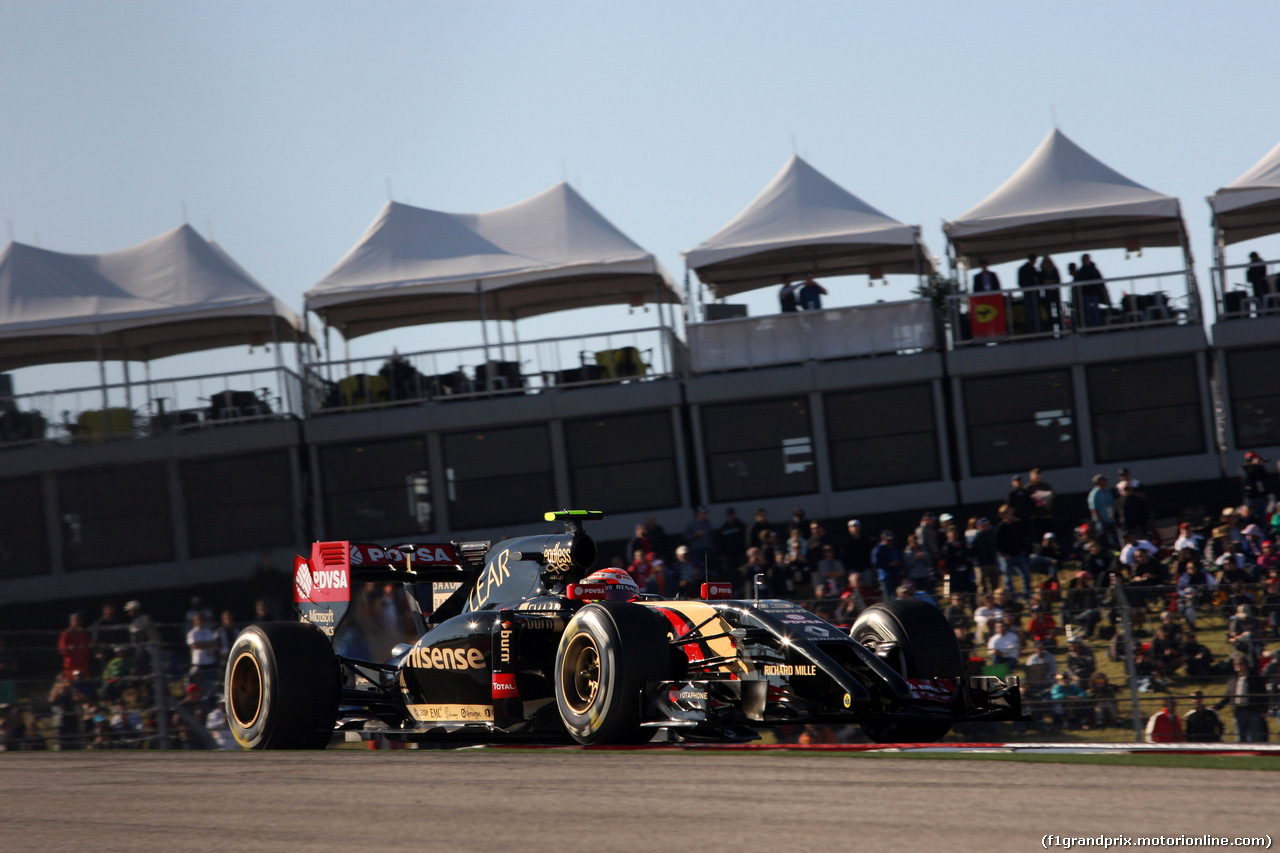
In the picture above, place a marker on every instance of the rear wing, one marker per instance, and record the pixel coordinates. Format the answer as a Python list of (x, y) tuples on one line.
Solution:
[(322, 583)]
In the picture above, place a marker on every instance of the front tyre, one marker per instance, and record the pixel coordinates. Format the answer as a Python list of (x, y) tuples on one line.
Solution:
[(926, 648), (282, 687), (607, 653)]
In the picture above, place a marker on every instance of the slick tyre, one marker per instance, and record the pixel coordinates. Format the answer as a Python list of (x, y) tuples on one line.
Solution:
[(282, 687), (607, 653), (927, 648)]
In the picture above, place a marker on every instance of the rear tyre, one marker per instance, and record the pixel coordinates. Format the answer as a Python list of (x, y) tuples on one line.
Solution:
[(606, 654), (282, 687), (927, 648)]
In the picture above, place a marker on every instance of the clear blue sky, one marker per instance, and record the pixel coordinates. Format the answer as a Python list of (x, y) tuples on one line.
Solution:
[(279, 124)]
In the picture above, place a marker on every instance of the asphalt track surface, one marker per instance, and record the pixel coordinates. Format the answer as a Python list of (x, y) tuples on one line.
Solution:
[(470, 800)]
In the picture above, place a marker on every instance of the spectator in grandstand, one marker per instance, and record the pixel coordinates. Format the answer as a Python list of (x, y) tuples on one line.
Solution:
[(639, 542), (866, 587), (1164, 725), (829, 571), (1011, 544), (856, 548), (218, 726), (759, 528), (1132, 545), (1011, 606), (1198, 658), (107, 631), (1188, 539), (1193, 588), (1244, 633), (1042, 628), (985, 617), (226, 633), (1081, 663), (1070, 708), (685, 574), (1080, 604), (1043, 656), (657, 536), (1269, 607), (1133, 513), (956, 564), (1019, 501), (1246, 694), (810, 295), (1202, 724), (65, 702), (142, 634), (1106, 711), (1166, 652), (747, 572), (203, 645), (75, 645), (118, 672), (887, 560), (907, 591), (1268, 557), (1254, 486), (197, 605), (986, 556), (918, 565), (1102, 508), (1046, 557), (799, 521), (731, 542), (699, 536), (1042, 500), (1003, 644), (957, 614), (929, 537)]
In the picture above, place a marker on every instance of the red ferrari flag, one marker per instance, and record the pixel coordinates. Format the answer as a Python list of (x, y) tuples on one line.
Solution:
[(988, 317)]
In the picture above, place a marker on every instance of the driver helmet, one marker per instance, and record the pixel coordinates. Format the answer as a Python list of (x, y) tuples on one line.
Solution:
[(622, 587)]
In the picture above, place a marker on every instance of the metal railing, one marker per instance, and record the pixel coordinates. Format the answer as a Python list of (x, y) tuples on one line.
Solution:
[(1072, 308), (138, 409), (501, 369), (1245, 299)]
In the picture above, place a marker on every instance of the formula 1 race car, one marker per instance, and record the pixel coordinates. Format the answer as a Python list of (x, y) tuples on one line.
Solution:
[(520, 641)]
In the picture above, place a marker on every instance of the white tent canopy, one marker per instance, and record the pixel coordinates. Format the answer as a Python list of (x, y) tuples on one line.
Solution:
[(1249, 206), (1062, 199), (548, 253), (801, 223), (173, 294)]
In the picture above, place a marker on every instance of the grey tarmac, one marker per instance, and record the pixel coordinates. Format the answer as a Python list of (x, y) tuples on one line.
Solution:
[(569, 800)]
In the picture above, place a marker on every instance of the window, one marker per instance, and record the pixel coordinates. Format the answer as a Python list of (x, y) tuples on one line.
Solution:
[(882, 437), (1145, 409), (499, 476), (622, 463), (1254, 384), (238, 503), (1020, 422), (24, 544), (376, 489), (759, 449), (115, 516)]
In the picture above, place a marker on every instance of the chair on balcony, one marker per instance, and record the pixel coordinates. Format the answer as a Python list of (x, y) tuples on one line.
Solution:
[(623, 362), (363, 389)]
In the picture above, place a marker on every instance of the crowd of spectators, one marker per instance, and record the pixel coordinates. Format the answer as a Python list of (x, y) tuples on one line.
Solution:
[(1029, 593)]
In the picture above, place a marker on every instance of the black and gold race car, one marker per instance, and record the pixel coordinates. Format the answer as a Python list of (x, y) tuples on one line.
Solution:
[(519, 641)]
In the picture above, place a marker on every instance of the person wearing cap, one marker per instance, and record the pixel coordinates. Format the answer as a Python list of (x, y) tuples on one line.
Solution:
[(1046, 556), (1102, 509), (1188, 538), (985, 554), (856, 547), (1081, 662), (957, 565), (887, 560), (1202, 724), (1255, 486)]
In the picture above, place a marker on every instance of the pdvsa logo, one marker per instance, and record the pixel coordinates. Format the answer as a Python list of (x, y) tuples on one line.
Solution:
[(329, 579)]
